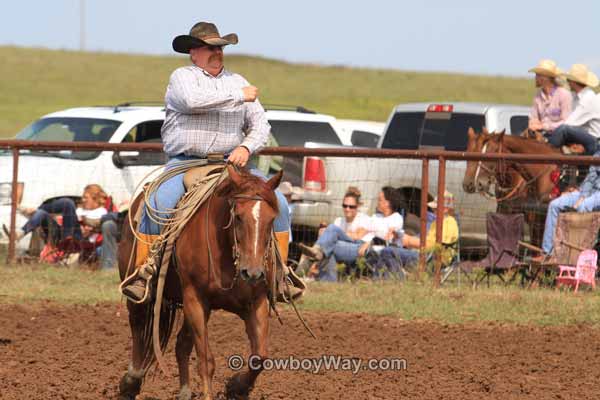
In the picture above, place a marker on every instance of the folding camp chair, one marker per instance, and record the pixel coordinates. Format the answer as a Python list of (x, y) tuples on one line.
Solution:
[(504, 231), (574, 233)]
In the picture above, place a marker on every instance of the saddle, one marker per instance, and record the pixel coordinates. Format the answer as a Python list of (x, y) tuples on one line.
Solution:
[(196, 175)]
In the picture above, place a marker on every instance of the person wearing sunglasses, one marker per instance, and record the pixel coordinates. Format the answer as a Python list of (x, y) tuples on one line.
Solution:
[(209, 109), (350, 237)]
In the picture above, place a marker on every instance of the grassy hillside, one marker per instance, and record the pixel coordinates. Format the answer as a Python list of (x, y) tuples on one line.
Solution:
[(37, 81)]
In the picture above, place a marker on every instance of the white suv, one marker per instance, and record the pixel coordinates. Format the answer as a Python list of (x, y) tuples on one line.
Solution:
[(45, 175)]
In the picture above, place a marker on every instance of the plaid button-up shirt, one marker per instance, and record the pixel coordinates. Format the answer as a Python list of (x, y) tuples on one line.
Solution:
[(207, 114)]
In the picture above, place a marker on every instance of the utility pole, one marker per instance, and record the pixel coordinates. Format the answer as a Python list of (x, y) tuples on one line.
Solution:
[(82, 25)]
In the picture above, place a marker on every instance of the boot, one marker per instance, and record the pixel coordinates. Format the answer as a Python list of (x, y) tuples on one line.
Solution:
[(314, 252), (137, 287), (296, 286)]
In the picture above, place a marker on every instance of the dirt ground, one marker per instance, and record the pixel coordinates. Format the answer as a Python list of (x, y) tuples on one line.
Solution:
[(80, 352)]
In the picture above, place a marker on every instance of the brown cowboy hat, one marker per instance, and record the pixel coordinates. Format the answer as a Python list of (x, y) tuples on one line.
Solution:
[(202, 34)]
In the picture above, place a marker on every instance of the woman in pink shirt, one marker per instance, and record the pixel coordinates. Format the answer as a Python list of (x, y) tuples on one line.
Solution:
[(552, 104)]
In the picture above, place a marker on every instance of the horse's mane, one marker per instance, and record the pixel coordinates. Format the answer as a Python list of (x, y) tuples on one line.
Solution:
[(250, 185), (534, 145)]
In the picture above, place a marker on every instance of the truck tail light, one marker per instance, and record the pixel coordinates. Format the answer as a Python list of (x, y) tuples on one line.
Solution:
[(314, 174), (440, 108)]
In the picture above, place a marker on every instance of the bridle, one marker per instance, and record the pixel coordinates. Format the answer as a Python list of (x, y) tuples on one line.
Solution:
[(236, 248), (501, 169)]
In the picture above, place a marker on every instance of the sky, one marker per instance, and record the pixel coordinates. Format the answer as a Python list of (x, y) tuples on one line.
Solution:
[(481, 37)]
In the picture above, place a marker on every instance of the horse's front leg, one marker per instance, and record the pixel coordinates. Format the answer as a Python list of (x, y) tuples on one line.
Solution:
[(196, 314), (183, 348), (257, 329), (131, 382)]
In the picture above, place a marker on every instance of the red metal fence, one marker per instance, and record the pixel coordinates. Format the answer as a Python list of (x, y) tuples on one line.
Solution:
[(15, 146)]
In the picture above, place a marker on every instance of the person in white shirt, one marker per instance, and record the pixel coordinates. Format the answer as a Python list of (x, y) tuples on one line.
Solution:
[(351, 237), (93, 199), (584, 121)]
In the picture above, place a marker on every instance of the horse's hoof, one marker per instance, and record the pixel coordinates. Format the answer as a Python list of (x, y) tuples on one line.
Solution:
[(185, 393), (236, 390), (129, 387)]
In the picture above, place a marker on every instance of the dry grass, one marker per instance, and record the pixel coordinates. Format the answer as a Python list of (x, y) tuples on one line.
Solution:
[(408, 301), (34, 82)]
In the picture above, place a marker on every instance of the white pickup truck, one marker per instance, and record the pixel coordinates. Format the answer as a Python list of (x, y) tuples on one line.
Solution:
[(44, 175), (421, 126)]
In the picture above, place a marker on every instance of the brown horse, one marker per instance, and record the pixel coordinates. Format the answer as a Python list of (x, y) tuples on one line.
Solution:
[(222, 260), (519, 187), (532, 180)]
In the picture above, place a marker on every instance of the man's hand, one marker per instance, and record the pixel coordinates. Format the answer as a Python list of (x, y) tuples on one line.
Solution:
[(578, 203), (250, 93), (239, 156)]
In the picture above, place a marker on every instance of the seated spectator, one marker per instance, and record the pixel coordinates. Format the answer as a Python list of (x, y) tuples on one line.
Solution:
[(92, 200), (585, 118), (552, 103), (350, 237), (74, 226), (407, 254), (109, 225), (585, 199)]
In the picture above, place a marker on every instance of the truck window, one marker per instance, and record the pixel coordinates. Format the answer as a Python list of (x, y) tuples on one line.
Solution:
[(69, 129), (410, 130), (450, 130), (146, 132), (296, 133), (518, 124), (403, 131), (456, 138)]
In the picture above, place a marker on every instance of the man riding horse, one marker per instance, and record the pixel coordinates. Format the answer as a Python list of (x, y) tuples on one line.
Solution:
[(208, 110)]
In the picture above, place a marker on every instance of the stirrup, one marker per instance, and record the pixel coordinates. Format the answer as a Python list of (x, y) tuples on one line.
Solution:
[(145, 272), (293, 287)]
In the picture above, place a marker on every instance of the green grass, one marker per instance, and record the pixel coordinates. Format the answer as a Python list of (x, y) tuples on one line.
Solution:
[(407, 301), (37, 81)]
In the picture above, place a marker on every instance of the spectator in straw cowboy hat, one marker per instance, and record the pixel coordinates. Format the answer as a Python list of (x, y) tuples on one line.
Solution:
[(552, 103), (208, 110), (584, 120)]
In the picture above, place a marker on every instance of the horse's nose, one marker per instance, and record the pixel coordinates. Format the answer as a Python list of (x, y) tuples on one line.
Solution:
[(252, 275)]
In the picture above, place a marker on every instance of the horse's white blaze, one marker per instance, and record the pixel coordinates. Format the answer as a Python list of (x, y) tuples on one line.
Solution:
[(483, 150), (256, 216)]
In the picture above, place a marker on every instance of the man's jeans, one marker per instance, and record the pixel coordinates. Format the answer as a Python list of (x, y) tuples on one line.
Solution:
[(64, 206), (108, 251), (337, 246), (168, 194), (591, 203), (573, 134)]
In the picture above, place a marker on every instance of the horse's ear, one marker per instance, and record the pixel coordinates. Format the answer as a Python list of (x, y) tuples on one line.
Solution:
[(471, 133), (501, 134), (234, 175), (273, 183), (485, 131)]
